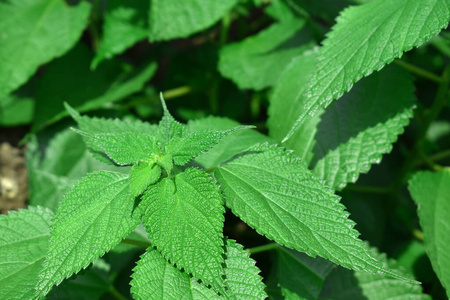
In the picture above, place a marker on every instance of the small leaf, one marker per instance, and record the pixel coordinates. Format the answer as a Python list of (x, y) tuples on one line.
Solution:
[(166, 162), (142, 175), (24, 239), (168, 128), (270, 190), (184, 218), (431, 192), (93, 217)]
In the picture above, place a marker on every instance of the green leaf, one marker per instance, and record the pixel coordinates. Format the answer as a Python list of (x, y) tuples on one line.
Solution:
[(300, 276), (287, 102), (229, 146), (124, 148), (195, 143), (367, 37), (155, 278), (24, 239), (270, 190), (83, 88), (258, 61), (125, 23), (168, 127), (93, 217), (142, 175), (190, 204), (178, 18), (15, 110), (356, 130), (431, 192), (359, 285), (48, 28)]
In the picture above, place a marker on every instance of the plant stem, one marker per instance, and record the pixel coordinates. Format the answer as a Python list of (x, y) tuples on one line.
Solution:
[(136, 243), (262, 248), (439, 156), (368, 189), (418, 234), (116, 293), (418, 71), (177, 92)]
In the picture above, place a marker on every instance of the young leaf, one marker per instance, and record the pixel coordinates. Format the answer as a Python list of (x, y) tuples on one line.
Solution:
[(155, 278), (179, 18), (270, 190), (195, 143), (184, 218), (142, 175), (367, 37), (24, 239), (356, 130), (168, 128), (124, 148), (431, 191), (47, 30), (93, 217)]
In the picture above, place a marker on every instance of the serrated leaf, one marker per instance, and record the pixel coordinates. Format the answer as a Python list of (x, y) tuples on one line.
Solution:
[(166, 162), (24, 239), (125, 23), (241, 275), (367, 37), (178, 18), (287, 102), (343, 284), (155, 278), (47, 30), (195, 143), (84, 230), (229, 146), (431, 191), (168, 127), (142, 175), (270, 190), (258, 61), (190, 204), (124, 148), (358, 129)]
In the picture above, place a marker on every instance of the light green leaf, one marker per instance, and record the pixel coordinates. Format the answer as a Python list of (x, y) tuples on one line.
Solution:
[(300, 276), (155, 278), (230, 145), (24, 239), (142, 175), (258, 61), (287, 102), (181, 18), (190, 204), (125, 23), (270, 190), (15, 110), (168, 127), (124, 148), (195, 143), (84, 230), (367, 37), (48, 28), (343, 284), (358, 129), (431, 191)]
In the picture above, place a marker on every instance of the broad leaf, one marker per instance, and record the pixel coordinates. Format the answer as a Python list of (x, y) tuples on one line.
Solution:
[(270, 190), (48, 28), (356, 130), (142, 175), (431, 191), (125, 23), (190, 205), (287, 102), (155, 278), (168, 127), (24, 239), (180, 18), (93, 217), (366, 38)]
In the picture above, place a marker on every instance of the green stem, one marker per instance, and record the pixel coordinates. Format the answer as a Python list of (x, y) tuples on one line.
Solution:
[(262, 248), (418, 71), (441, 45), (368, 189), (136, 243), (418, 234), (116, 293), (169, 94), (440, 156)]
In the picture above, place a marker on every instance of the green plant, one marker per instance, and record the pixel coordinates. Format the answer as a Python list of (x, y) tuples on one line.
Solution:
[(164, 206)]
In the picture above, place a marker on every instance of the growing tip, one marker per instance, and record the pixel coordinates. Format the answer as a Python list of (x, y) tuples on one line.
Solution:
[(163, 102)]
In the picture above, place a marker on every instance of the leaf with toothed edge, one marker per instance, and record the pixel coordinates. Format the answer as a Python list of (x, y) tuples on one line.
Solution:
[(184, 218), (367, 37), (168, 127), (142, 175), (84, 230), (273, 192)]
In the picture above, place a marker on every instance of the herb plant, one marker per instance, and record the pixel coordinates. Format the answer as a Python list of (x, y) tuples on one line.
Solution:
[(126, 204)]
